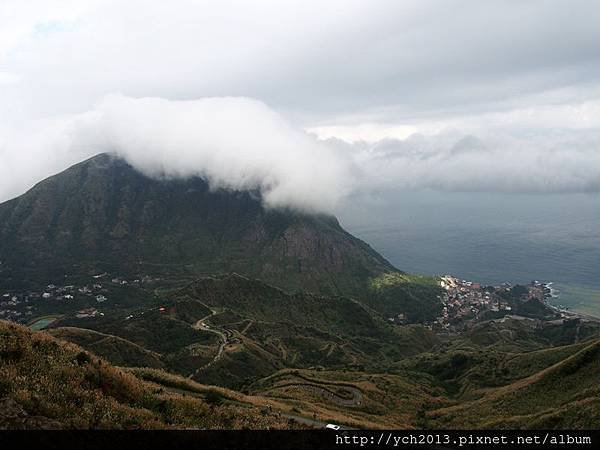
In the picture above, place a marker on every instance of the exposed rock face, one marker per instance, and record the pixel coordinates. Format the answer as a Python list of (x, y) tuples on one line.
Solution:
[(102, 214)]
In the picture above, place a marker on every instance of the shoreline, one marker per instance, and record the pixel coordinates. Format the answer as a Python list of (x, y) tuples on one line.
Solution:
[(551, 296), (569, 312)]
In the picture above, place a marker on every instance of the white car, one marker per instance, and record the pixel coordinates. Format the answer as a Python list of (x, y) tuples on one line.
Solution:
[(332, 426)]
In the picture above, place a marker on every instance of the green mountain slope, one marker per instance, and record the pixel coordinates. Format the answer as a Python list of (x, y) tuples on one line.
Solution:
[(117, 350), (102, 215), (265, 329), (305, 326), (564, 395), (258, 301)]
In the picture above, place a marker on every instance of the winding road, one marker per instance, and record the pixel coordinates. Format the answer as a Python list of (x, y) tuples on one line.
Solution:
[(326, 393), (223, 336)]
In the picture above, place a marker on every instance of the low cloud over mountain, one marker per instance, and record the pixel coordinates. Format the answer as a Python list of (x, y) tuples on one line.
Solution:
[(235, 143), (242, 144)]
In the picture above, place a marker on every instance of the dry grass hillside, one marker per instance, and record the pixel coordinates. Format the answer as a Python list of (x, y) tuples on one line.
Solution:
[(564, 395), (48, 383)]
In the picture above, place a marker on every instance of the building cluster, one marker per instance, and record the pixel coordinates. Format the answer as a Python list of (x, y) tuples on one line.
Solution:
[(465, 300), (21, 306), (11, 308), (398, 319), (88, 312)]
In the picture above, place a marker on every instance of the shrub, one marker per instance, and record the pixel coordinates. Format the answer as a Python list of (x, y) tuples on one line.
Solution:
[(214, 398), (83, 358)]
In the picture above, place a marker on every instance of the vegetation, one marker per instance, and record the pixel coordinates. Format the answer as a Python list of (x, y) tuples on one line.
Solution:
[(102, 215), (564, 395), (304, 333), (389, 279), (47, 383), (465, 381), (113, 348), (415, 296), (268, 329)]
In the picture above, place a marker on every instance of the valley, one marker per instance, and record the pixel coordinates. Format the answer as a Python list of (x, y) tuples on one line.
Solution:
[(186, 307), (326, 360)]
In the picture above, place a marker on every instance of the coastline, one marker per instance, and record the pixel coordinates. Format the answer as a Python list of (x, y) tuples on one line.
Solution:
[(547, 292), (570, 306)]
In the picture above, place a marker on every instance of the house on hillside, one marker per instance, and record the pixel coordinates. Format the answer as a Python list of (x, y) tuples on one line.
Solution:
[(87, 312)]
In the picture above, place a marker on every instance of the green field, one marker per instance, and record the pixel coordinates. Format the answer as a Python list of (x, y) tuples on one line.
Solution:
[(42, 322)]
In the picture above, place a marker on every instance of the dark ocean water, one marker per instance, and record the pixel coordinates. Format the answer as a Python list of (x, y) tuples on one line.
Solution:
[(490, 238)]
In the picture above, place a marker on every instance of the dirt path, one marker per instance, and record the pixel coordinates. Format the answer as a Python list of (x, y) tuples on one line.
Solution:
[(223, 336), (328, 394), (304, 420), (356, 400), (247, 327), (300, 419)]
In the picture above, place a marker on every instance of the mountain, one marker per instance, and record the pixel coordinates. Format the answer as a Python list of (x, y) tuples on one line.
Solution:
[(103, 215), (46, 383), (159, 285), (250, 330), (562, 396)]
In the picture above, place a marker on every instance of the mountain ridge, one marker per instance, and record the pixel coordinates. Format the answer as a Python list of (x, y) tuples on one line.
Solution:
[(102, 213), (180, 284)]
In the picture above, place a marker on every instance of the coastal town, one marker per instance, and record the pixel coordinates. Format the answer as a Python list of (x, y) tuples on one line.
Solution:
[(466, 302)]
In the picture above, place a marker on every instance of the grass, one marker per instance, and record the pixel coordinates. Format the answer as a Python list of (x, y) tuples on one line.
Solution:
[(387, 400), (389, 279), (59, 385), (565, 394), (271, 328), (459, 385), (415, 296), (117, 350)]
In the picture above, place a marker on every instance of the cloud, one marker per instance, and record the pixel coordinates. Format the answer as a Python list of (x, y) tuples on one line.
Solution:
[(384, 58), (561, 161), (466, 95), (234, 143), (8, 78), (242, 144)]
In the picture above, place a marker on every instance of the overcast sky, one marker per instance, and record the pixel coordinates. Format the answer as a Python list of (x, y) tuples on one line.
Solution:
[(378, 95)]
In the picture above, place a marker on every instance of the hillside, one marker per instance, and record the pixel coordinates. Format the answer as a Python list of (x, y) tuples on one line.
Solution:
[(261, 302), (564, 395), (48, 383), (102, 215), (119, 351), (251, 328), (188, 307)]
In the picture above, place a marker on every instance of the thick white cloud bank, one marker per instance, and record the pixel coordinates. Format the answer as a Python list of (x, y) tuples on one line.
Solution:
[(234, 143), (242, 144)]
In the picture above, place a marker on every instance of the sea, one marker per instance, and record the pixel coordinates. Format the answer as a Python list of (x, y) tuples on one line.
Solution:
[(489, 237)]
